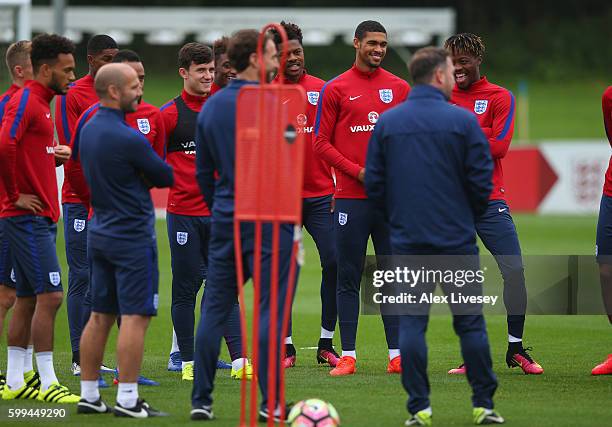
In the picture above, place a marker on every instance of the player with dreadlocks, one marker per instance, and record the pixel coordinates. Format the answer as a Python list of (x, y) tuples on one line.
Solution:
[(494, 108)]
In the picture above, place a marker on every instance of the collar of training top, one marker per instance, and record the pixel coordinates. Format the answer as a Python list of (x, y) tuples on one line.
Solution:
[(37, 88), (365, 74), (426, 91)]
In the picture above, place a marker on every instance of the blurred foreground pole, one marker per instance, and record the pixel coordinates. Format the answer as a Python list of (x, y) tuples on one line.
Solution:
[(523, 112), (59, 21)]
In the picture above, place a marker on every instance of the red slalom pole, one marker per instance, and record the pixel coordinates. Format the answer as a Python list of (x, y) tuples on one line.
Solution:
[(243, 324), (286, 314), (256, 310), (273, 356)]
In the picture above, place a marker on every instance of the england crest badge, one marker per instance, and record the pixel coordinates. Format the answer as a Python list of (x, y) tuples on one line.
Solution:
[(480, 106), (313, 97), (79, 225), (342, 218), (54, 278), (143, 126), (386, 95), (181, 237)]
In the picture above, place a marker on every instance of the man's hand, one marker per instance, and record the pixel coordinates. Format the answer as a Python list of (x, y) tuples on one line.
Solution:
[(361, 176), (29, 202), (62, 154)]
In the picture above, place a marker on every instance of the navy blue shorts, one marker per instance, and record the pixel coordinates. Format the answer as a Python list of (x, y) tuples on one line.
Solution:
[(124, 280), (603, 241), (32, 243), (7, 274)]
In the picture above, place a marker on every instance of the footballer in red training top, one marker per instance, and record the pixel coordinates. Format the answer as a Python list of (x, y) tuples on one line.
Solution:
[(603, 246), (349, 107), (317, 196), (188, 215), (494, 107)]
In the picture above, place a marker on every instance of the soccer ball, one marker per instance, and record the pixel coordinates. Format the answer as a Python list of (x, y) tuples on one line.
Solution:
[(313, 413)]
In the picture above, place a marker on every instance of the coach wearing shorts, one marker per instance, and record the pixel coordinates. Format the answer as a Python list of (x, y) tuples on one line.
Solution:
[(119, 166)]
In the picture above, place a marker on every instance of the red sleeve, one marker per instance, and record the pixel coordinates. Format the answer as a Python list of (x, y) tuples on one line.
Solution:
[(14, 125), (169, 115), (606, 107), (502, 128), (72, 168), (60, 119), (159, 143), (325, 123)]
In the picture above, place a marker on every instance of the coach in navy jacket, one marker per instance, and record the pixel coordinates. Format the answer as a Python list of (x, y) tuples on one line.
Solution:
[(429, 167)]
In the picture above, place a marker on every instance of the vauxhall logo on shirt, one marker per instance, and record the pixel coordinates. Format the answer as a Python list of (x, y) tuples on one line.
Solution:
[(301, 120), (372, 118), (188, 147)]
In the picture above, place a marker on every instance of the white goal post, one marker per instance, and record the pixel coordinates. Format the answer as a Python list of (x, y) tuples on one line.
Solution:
[(15, 20)]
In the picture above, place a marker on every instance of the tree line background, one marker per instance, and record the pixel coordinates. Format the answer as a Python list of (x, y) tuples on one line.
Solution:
[(542, 40)]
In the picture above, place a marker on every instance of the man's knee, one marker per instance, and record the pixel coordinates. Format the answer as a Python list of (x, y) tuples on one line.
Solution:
[(7, 297), (49, 300)]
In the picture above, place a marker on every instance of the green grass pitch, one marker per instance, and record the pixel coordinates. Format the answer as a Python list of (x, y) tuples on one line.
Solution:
[(567, 346)]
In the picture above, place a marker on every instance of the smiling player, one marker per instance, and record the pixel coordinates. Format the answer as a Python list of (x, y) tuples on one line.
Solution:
[(494, 108), (317, 210), (349, 107)]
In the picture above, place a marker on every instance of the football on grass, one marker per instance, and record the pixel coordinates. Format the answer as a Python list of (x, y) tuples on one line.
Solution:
[(313, 413)]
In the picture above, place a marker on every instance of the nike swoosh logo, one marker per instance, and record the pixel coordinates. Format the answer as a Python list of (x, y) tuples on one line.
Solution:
[(501, 210), (352, 98), (286, 100), (142, 414), (48, 115)]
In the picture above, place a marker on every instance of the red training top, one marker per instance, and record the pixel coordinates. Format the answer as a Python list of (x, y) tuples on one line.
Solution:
[(606, 106), (4, 99), (146, 119), (27, 161), (68, 109), (494, 108), (184, 197), (214, 88), (349, 107), (318, 179)]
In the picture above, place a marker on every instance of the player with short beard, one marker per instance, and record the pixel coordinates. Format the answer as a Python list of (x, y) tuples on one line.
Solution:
[(349, 106), (30, 212)]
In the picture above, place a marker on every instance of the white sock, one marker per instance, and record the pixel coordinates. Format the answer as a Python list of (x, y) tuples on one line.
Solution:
[(326, 334), (127, 394), (14, 367), (89, 391), (44, 363), (186, 363), (353, 354), (238, 363), (28, 364), (393, 353), (514, 339), (175, 346), (289, 340), (428, 410)]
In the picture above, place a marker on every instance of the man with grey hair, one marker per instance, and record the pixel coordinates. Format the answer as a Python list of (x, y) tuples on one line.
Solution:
[(441, 151), (119, 166)]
